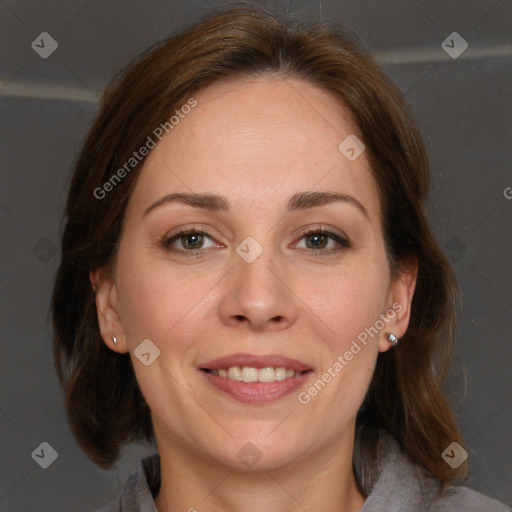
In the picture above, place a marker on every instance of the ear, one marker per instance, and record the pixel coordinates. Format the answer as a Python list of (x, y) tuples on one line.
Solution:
[(108, 310), (399, 303)]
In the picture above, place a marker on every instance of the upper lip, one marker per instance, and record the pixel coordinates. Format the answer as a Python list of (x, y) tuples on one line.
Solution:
[(256, 361)]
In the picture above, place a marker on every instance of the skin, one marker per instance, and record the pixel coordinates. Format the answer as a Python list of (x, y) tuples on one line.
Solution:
[(256, 142)]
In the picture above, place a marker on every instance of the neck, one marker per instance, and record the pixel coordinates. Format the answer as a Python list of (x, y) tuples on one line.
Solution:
[(316, 482)]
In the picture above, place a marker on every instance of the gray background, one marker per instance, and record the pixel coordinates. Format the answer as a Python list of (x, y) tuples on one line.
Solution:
[(463, 105)]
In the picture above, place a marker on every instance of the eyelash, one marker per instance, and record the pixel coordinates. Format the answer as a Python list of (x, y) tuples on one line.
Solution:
[(342, 242)]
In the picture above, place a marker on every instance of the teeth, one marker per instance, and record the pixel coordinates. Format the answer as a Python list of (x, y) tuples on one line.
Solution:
[(266, 375), (249, 374), (280, 373), (234, 373)]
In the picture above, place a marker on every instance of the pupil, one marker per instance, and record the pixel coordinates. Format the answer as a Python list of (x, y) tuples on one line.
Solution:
[(195, 240), (317, 240)]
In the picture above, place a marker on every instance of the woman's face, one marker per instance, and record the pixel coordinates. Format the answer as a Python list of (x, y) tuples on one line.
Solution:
[(256, 289)]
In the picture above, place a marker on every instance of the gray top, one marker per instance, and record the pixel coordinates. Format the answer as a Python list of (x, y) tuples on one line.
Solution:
[(390, 481)]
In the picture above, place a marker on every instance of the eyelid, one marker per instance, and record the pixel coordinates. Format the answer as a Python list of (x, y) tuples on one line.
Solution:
[(320, 228)]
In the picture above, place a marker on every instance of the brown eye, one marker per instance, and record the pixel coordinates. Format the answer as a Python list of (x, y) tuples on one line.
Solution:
[(318, 241), (192, 240), (188, 241)]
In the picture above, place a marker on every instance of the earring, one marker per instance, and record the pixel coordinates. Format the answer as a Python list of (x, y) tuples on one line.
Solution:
[(392, 339), (115, 340)]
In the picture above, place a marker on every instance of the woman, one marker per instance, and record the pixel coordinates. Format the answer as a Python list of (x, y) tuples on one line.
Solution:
[(248, 278)]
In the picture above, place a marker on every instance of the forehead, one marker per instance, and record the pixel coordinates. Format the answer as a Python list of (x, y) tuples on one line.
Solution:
[(257, 142)]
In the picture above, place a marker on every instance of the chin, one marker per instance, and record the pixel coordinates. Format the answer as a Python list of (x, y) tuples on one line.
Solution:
[(254, 451)]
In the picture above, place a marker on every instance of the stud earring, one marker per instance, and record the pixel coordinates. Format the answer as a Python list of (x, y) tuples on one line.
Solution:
[(392, 339), (115, 340)]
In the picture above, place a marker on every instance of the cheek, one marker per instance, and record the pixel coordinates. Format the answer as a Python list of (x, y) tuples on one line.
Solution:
[(144, 309), (344, 305), (343, 311), (161, 302)]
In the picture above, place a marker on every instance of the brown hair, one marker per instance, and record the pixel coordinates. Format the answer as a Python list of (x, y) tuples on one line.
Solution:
[(104, 403)]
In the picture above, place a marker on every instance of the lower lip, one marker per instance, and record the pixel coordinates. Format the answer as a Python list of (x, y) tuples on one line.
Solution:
[(257, 392)]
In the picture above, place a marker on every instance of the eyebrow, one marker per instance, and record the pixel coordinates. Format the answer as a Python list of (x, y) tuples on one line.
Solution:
[(299, 201)]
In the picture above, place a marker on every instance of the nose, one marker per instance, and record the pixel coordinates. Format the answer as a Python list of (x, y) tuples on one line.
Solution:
[(259, 295)]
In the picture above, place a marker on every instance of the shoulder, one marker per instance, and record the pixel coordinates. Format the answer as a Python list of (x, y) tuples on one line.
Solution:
[(464, 499), (113, 506), (391, 480), (140, 488)]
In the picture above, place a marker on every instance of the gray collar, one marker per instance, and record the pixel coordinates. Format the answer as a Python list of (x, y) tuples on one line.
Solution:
[(386, 476)]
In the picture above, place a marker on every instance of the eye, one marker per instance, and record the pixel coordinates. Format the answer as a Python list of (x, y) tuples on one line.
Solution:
[(318, 240), (189, 241)]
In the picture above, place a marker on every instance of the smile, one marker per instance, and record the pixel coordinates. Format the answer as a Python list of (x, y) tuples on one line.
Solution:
[(251, 374), (256, 378)]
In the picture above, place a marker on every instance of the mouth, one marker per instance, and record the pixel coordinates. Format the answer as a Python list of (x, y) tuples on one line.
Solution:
[(254, 379), (252, 374)]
